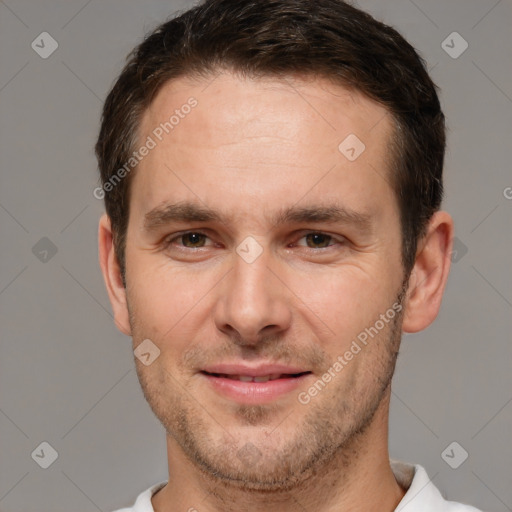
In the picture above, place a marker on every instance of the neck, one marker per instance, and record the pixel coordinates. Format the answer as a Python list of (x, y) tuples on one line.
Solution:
[(357, 478)]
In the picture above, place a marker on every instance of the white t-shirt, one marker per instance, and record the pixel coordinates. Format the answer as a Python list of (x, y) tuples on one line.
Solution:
[(421, 496)]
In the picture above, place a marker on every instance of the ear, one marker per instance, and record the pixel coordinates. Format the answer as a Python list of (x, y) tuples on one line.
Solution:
[(429, 274), (112, 275)]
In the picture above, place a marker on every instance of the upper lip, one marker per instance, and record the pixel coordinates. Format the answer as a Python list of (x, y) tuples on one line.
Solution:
[(259, 370)]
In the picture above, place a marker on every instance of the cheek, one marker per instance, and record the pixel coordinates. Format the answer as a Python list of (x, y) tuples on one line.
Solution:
[(168, 305), (341, 302)]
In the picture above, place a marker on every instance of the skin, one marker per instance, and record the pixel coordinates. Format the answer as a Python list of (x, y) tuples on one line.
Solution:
[(250, 148)]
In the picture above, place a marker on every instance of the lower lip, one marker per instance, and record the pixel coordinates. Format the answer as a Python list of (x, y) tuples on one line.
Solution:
[(255, 392)]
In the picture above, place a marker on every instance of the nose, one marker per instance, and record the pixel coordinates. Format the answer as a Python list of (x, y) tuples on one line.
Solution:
[(254, 305)]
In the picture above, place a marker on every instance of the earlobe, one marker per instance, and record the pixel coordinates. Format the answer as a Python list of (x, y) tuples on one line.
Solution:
[(112, 275), (430, 274)]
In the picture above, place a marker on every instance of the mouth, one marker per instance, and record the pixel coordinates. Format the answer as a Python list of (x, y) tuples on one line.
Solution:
[(259, 378), (254, 389)]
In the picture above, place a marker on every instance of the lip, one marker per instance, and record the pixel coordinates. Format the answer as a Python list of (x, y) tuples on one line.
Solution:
[(254, 392), (253, 371)]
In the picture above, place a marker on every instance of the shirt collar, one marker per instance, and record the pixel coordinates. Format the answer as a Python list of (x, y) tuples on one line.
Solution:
[(421, 494)]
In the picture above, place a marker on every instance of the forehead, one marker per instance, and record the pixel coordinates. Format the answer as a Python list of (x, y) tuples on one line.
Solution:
[(264, 140), (230, 103)]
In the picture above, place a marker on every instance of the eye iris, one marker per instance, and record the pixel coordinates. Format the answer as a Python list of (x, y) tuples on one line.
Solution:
[(318, 239), (195, 239)]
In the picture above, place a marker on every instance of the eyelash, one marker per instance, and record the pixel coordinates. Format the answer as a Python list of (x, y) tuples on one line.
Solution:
[(169, 241)]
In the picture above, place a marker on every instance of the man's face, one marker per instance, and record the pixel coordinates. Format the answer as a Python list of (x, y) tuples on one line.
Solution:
[(253, 151)]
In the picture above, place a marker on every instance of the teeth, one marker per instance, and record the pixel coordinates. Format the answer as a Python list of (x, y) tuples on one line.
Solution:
[(248, 378), (263, 378)]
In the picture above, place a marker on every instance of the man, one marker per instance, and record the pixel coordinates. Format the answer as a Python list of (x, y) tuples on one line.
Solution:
[(272, 175)]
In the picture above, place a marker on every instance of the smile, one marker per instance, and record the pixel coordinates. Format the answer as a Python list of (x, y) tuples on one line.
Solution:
[(258, 389), (261, 378)]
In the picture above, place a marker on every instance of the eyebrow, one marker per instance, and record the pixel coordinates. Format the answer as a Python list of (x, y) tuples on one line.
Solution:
[(191, 212)]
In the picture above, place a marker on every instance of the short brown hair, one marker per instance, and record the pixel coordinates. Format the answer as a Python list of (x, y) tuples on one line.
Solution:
[(273, 38)]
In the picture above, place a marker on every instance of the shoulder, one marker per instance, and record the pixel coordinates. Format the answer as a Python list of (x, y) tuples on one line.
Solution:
[(421, 494), (143, 501)]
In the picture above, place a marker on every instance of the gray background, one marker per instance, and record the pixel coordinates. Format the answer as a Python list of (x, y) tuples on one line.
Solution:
[(67, 375)]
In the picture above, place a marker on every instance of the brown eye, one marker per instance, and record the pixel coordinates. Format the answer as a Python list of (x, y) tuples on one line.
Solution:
[(193, 240), (318, 240)]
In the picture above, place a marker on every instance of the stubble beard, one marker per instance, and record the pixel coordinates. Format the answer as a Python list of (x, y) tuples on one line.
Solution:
[(331, 431)]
